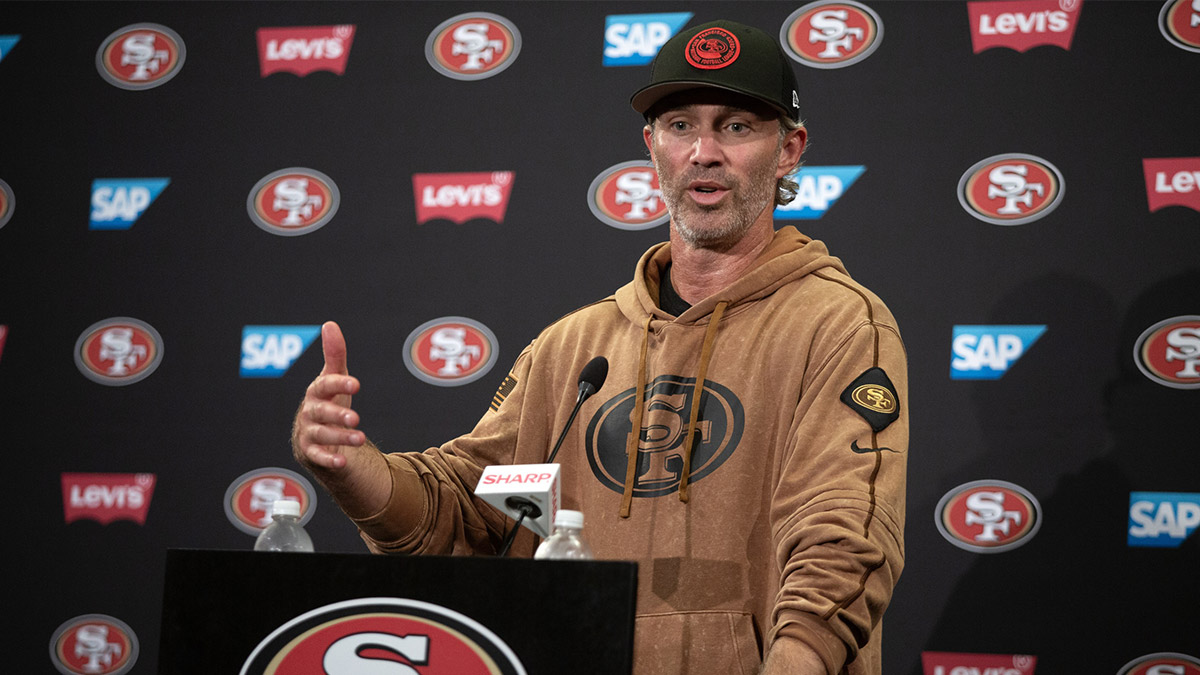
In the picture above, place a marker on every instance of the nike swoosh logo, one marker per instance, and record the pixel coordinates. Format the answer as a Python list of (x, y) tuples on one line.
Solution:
[(863, 451)]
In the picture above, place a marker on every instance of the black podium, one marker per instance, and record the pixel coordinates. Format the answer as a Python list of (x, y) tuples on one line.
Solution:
[(255, 613)]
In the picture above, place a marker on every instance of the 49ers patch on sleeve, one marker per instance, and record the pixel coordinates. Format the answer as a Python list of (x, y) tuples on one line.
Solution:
[(873, 396)]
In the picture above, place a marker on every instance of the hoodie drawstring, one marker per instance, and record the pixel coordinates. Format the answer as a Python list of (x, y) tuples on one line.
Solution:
[(639, 404)]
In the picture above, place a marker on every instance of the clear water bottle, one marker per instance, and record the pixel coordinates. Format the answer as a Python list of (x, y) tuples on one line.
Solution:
[(566, 541), (285, 533)]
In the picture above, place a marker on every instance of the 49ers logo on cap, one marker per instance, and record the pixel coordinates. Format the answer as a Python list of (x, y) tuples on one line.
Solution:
[(140, 56), (473, 46), (1179, 22), (294, 201), (6, 203), (1169, 352), (355, 636), (1162, 663), (95, 644), (450, 351), (1011, 189), (627, 196), (831, 34), (988, 516), (118, 351), (249, 498), (712, 48)]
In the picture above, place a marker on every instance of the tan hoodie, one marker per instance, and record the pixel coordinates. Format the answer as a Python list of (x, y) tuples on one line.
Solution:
[(790, 525)]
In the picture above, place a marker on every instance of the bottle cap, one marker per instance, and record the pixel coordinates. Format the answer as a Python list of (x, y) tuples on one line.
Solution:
[(568, 518), (285, 507)]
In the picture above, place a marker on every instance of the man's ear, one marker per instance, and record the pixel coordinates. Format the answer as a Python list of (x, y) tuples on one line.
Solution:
[(648, 135), (791, 151)]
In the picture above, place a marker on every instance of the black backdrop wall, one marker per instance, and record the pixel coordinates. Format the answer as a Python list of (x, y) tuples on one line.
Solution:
[(1088, 580)]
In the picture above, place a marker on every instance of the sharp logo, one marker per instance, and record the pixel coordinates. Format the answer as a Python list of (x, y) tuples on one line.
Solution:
[(140, 56), (988, 516), (459, 197), (7, 42), (627, 196), (1162, 519), (303, 50), (987, 352), (1172, 182), (450, 351), (473, 46), (1023, 24), (295, 201), (364, 635), (1162, 663), (950, 663), (831, 33), (117, 203), (94, 644), (249, 498), (818, 187), (1010, 189), (7, 203), (1179, 21), (634, 39), (269, 351), (105, 497), (118, 351), (1169, 352)]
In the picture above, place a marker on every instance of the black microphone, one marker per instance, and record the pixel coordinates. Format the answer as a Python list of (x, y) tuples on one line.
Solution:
[(591, 378)]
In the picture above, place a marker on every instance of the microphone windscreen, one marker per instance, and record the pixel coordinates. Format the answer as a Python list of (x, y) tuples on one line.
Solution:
[(594, 373)]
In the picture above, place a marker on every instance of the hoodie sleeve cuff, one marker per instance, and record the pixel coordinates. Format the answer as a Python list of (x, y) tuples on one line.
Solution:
[(387, 529), (812, 632)]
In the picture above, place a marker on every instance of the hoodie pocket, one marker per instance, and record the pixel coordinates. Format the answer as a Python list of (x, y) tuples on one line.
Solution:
[(696, 643)]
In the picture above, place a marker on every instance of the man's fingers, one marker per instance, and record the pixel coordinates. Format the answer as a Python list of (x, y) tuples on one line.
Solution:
[(324, 412), (333, 344), (326, 387)]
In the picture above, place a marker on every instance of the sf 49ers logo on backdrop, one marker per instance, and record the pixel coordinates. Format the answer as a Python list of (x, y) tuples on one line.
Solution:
[(459, 197), (1179, 21), (450, 351), (294, 201), (1162, 663), (249, 498), (304, 49), (118, 351), (351, 637), (7, 202), (473, 46), (140, 56), (988, 516), (627, 196), (1023, 24), (661, 438), (831, 33), (1169, 352), (1010, 189), (94, 644)]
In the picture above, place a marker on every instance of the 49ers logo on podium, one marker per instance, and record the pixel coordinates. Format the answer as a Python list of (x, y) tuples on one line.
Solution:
[(294, 201), (473, 46), (450, 351), (140, 56), (118, 351), (94, 644), (1010, 189), (357, 636), (831, 34), (250, 497), (627, 196), (1162, 663)]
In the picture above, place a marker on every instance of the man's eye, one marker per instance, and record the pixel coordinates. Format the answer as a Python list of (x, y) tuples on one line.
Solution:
[(738, 127), (679, 126)]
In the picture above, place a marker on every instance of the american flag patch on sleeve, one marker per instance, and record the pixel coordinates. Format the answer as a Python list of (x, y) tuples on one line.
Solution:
[(502, 393)]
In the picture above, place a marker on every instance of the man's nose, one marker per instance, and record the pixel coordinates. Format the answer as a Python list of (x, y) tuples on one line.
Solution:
[(706, 149)]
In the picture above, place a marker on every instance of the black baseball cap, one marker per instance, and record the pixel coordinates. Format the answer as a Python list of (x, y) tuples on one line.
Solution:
[(727, 55)]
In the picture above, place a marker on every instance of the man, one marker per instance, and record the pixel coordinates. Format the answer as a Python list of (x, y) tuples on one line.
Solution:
[(765, 508)]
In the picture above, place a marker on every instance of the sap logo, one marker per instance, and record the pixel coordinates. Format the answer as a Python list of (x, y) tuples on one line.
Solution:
[(7, 42), (818, 187), (634, 39), (987, 352), (118, 202), (268, 351), (1162, 519)]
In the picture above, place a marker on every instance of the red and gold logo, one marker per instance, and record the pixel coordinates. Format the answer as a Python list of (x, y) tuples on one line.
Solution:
[(140, 56), (988, 516), (1169, 352), (450, 351), (1162, 663), (94, 644), (118, 351), (473, 46), (249, 498), (831, 33), (1179, 21), (1010, 189), (292, 202), (712, 48), (627, 196)]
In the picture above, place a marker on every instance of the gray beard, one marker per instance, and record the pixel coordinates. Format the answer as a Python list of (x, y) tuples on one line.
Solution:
[(743, 209)]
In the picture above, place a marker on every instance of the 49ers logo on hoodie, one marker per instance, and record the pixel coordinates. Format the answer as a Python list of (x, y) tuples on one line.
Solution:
[(140, 56), (660, 441), (473, 46)]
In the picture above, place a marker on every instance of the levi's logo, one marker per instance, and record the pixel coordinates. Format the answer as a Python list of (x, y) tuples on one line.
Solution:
[(302, 50), (948, 663), (105, 497), (1172, 181), (459, 197), (1023, 24)]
